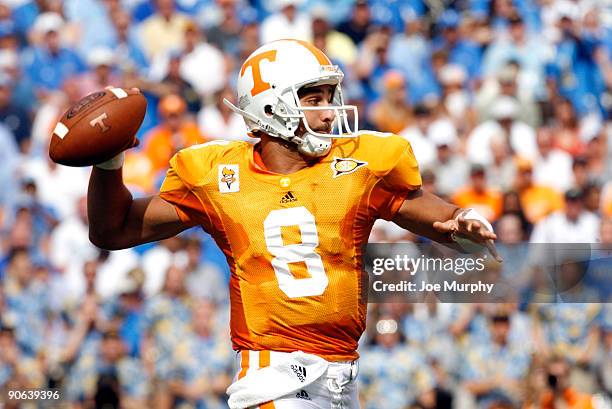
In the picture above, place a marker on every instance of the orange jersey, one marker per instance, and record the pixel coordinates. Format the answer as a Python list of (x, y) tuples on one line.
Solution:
[(294, 242)]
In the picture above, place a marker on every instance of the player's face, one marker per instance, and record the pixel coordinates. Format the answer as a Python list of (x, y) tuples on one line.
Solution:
[(319, 120)]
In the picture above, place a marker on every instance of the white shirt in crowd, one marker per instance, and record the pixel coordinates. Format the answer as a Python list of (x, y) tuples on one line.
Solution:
[(204, 68), (554, 170), (70, 249), (277, 26), (423, 148), (557, 228), (522, 141), (58, 187), (155, 263), (212, 125)]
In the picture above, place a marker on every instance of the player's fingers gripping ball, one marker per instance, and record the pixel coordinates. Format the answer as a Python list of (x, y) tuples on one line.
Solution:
[(98, 127)]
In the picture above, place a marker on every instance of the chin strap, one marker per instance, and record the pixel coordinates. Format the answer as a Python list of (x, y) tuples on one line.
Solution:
[(311, 145)]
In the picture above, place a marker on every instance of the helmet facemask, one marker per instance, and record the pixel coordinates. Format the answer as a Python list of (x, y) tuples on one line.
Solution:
[(312, 142)]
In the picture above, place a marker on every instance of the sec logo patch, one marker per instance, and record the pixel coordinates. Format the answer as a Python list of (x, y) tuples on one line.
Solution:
[(344, 166)]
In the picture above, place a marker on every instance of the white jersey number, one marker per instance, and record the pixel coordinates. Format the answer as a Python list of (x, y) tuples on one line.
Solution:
[(293, 253)]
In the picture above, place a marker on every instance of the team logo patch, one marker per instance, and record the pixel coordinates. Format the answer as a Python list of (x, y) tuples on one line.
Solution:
[(344, 166), (229, 178)]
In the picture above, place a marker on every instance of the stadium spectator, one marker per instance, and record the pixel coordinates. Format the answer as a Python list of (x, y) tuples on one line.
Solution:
[(573, 225), (101, 62), (605, 363), (553, 167), (418, 136), (519, 136), (373, 64), (460, 50), (560, 390), (287, 22), (478, 195), (127, 47), (167, 318), (537, 201), (512, 237), (225, 33), (336, 45), (506, 82), (26, 298), (530, 53), (174, 83), (206, 363), (574, 72), (412, 42), (15, 117), (455, 98), (391, 112), (176, 131), (450, 169), (93, 23), (500, 173), (43, 218), (391, 372), (22, 89), (204, 279), (202, 65), (566, 128), (8, 172), (70, 248), (580, 172), (106, 374), (218, 121), (494, 368), (50, 63), (163, 31), (157, 260), (17, 370), (358, 25)]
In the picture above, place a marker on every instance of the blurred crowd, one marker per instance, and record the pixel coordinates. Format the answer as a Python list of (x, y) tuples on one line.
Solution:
[(507, 105)]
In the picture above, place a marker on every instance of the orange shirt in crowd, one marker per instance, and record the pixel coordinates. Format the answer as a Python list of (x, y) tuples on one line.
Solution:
[(160, 144), (540, 201), (570, 399), (487, 203), (391, 118), (606, 200)]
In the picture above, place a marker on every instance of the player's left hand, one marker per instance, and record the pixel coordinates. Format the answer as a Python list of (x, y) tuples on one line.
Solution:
[(472, 230)]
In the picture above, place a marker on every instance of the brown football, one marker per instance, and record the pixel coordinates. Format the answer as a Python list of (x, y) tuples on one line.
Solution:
[(98, 127)]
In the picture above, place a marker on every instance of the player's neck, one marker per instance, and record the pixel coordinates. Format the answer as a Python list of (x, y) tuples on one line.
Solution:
[(282, 157)]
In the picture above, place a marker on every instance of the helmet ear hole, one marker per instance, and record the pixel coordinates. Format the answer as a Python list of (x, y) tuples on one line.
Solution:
[(268, 110)]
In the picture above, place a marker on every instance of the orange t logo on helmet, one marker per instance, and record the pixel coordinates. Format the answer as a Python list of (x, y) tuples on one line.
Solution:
[(259, 85)]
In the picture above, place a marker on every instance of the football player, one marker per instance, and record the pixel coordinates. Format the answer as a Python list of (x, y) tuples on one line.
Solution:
[(292, 215)]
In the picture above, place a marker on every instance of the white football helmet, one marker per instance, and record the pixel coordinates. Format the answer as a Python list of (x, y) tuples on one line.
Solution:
[(268, 100)]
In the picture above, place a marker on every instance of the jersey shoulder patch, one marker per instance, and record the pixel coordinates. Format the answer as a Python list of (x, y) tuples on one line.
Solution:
[(195, 164), (380, 150)]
